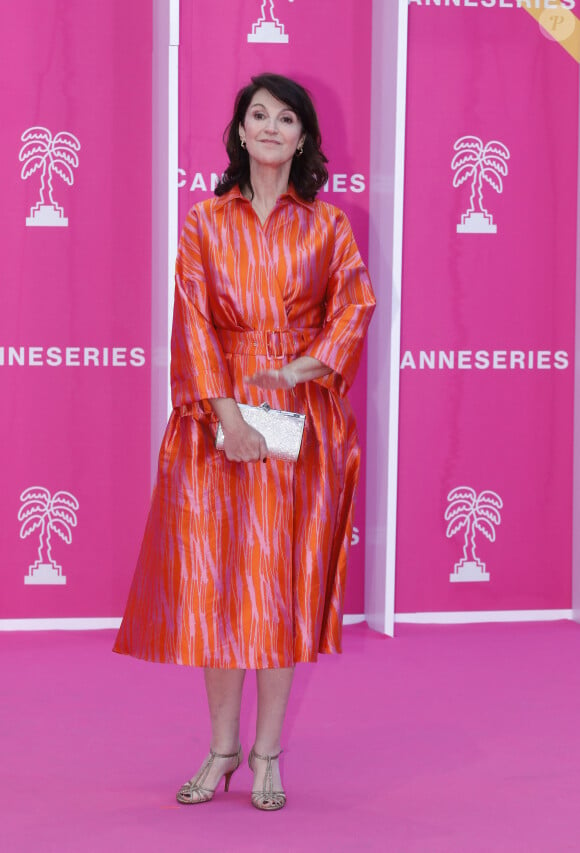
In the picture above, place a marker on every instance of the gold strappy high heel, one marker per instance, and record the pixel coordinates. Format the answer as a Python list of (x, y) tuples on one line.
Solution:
[(267, 799), (193, 792)]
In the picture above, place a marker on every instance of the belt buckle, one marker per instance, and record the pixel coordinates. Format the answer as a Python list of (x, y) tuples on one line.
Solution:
[(274, 345)]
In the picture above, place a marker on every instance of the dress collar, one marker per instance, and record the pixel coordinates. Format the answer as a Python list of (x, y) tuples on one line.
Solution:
[(236, 193)]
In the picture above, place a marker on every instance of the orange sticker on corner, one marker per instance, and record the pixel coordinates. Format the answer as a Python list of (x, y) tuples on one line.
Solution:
[(561, 25)]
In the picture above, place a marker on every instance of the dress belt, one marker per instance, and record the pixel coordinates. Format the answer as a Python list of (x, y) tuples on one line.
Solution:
[(274, 343)]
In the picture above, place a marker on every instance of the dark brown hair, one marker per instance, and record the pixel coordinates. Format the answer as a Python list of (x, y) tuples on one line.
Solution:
[(308, 172)]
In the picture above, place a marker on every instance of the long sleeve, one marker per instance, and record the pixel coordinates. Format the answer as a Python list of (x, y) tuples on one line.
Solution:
[(198, 367), (350, 303)]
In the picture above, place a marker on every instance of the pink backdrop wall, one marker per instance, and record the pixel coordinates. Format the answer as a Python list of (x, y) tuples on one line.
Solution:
[(487, 335), (499, 421), (74, 303), (328, 49)]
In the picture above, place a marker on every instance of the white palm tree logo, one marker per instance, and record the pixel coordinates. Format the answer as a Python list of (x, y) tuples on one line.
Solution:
[(481, 163), (474, 513), (49, 514), (268, 29), (53, 156)]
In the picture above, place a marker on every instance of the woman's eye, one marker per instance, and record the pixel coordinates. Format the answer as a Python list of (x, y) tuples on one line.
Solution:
[(258, 115), (287, 119)]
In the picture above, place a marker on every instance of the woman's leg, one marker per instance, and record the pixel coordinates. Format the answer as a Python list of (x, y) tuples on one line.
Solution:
[(224, 697), (273, 693)]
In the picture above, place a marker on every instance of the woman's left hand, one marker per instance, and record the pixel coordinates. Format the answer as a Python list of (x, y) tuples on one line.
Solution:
[(273, 379)]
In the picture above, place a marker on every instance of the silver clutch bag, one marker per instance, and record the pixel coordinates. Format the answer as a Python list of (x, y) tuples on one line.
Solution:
[(282, 430)]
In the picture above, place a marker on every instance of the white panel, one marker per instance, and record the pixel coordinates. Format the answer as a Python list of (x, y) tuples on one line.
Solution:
[(80, 624), (389, 75), (164, 209), (353, 618), (464, 617)]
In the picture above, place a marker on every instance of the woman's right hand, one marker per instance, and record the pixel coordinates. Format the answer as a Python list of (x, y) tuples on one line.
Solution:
[(243, 443)]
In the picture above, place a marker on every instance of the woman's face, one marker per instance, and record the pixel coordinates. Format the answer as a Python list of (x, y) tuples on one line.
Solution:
[(271, 130)]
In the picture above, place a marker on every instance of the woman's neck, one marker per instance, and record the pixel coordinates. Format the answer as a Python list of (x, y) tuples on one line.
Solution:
[(268, 185)]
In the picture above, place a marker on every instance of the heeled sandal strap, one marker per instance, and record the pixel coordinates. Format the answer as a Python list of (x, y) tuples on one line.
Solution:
[(268, 802), (201, 776), (196, 786), (222, 755), (203, 773), (267, 792), (187, 791), (265, 757)]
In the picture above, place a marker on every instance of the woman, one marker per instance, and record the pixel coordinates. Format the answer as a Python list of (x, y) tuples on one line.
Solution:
[(243, 561)]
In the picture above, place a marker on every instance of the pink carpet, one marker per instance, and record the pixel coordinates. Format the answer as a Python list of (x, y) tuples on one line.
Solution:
[(445, 739)]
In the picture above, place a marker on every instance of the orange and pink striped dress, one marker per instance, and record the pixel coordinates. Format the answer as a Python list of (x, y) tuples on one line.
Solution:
[(243, 565)]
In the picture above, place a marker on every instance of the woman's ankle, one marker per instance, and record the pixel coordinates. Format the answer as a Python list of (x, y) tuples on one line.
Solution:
[(267, 749), (225, 748)]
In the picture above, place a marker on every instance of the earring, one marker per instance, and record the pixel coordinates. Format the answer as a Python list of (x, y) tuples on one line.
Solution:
[(242, 142), (300, 150)]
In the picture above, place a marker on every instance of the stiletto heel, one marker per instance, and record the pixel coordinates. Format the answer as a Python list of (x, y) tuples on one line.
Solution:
[(193, 792), (267, 799), (227, 778)]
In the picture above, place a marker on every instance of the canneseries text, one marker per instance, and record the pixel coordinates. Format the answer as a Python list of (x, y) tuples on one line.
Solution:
[(485, 360), (56, 356)]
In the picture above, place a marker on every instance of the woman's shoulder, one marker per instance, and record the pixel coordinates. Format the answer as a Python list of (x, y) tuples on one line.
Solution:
[(213, 204), (330, 213), (201, 215), (203, 208), (327, 207)]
